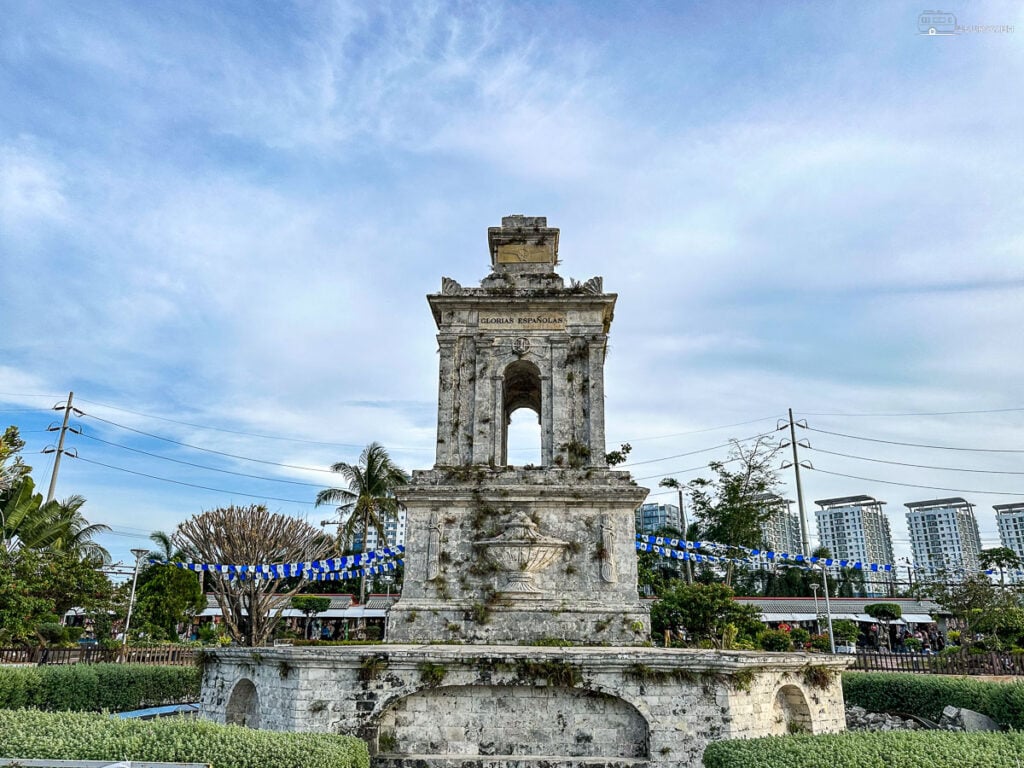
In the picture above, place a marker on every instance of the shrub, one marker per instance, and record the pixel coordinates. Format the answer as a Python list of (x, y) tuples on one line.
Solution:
[(926, 695), (820, 643), (799, 636), (97, 687), (845, 631), (775, 640), (85, 736), (855, 750)]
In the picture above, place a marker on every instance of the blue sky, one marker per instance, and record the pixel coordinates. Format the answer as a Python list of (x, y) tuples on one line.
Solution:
[(227, 215)]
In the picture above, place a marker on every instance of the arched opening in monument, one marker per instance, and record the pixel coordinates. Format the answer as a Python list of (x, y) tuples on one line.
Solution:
[(523, 438), (522, 391), (244, 705), (513, 720), (792, 714)]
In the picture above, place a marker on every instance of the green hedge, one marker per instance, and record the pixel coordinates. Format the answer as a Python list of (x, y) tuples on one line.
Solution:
[(84, 736), (97, 687), (907, 749), (926, 695)]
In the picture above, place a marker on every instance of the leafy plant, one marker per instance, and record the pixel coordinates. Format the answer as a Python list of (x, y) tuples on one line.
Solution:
[(97, 687), (82, 736), (908, 749), (431, 674)]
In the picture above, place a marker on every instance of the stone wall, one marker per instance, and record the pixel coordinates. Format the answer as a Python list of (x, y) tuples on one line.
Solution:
[(656, 706), (456, 590)]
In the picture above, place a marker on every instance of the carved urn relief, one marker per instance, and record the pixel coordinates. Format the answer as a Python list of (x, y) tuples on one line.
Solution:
[(520, 551)]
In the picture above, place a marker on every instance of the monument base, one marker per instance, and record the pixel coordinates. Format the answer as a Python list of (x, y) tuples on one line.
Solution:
[(512, 555), (477, 706)]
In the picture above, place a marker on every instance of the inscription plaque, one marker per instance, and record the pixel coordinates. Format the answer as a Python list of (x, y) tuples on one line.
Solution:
[(517, 322)]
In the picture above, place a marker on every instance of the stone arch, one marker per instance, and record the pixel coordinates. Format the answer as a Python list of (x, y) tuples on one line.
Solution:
[(513, 720), (522, 387), (791, 712), (243, 705)]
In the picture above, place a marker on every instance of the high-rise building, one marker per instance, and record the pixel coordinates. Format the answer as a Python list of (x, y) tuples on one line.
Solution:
[(781, 531), (652, 517), (856, 528), (1010, 519), (394, 530), (944, 538)]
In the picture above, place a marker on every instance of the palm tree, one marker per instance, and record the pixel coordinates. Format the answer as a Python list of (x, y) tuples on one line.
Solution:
[(369, 499), (56, 526), (78, 534)]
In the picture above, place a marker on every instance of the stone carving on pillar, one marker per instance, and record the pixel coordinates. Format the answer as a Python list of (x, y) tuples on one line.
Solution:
[(608, 573), (464, 399), (521, 551), (594, 285), (451, 287), (434, 547)]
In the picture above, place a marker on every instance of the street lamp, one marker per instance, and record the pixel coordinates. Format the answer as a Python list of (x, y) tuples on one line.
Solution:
[(817, 615), (131, 600)]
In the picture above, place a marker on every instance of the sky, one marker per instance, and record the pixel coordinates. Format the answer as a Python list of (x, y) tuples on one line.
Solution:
[(219, 221)]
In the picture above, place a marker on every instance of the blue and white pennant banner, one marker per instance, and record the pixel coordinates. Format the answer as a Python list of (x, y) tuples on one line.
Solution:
[(384, 567), (289, 570), (770, 556)]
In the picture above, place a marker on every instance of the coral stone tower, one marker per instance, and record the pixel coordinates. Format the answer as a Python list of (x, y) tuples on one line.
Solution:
[(503, 554)]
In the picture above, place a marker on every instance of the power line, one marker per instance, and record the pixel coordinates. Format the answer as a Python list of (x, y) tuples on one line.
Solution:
[(916, 466), (933, 413), (194, 485), (911, 485), (208, 450), (702, 450), (242, 432), (917, 445), (696, 431), (201, 466)]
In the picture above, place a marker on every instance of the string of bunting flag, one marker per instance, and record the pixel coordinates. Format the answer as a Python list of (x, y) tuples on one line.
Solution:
[(764, 555), (656, 544), (289, 570), (384, 567)]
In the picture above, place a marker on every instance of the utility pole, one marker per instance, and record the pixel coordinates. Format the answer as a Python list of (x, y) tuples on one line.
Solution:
[(60, 444), (805, 539), (687, 570)]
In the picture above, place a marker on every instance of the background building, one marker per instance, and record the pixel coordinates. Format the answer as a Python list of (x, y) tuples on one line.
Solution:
[(856, 528), (393, 529), (944, 537), (1010, 519), (652, 517), (781, 531)]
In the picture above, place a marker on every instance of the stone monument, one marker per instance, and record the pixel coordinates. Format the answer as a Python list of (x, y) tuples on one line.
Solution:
[(502, 554), (519, 639)]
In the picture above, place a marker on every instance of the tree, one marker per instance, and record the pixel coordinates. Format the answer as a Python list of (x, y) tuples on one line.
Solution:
[(12, 466), (310, 605), (977, 603), (885, 613), (166, 597), (77, 535), (58, 526), (250, 535), (703, 611), (730, 508), (1000, 558), (35, 586), (369, 499)]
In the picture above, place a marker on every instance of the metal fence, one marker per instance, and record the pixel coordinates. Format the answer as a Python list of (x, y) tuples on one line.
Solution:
[(86, 655), (989, 663)]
